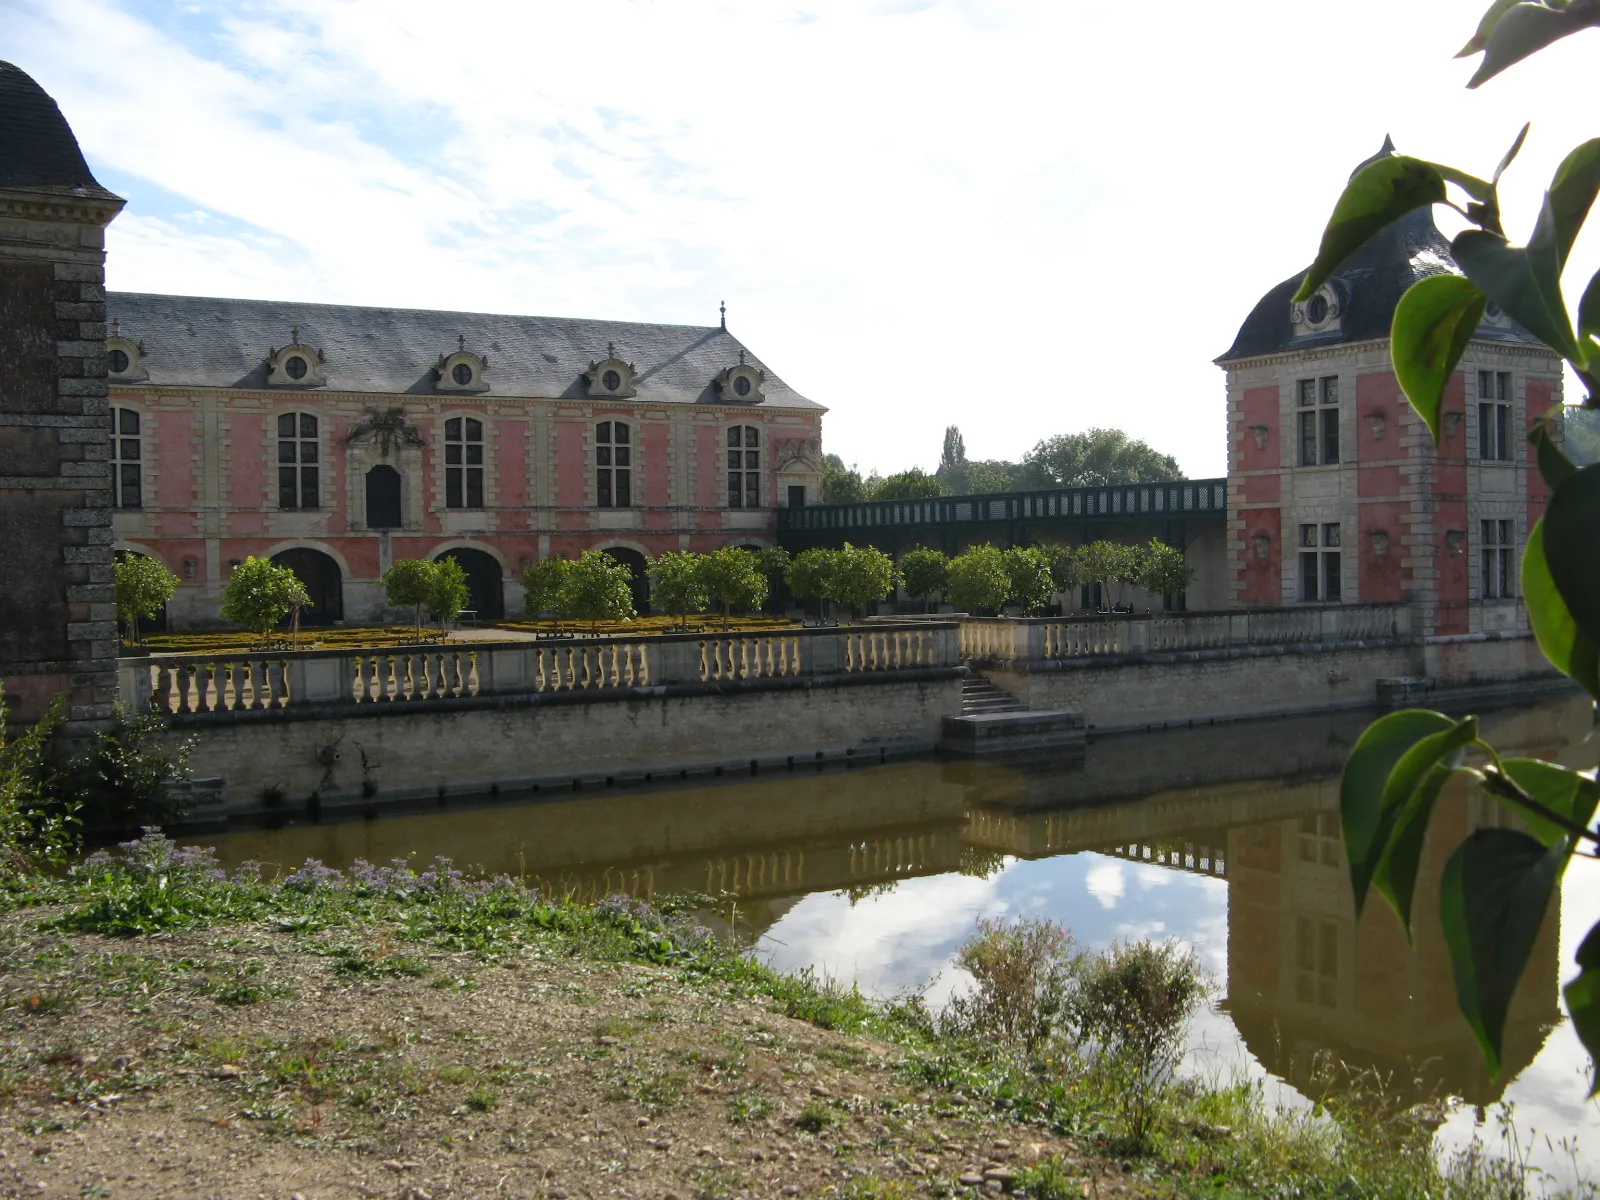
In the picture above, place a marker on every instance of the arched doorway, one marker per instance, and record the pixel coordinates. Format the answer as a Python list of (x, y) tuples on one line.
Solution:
[(486, 582), (157, 623), (321, 576), (777, 589), (383, 498), (638, 570)]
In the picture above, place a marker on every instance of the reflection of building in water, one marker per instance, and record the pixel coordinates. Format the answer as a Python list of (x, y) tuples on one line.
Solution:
[(1256, 805)]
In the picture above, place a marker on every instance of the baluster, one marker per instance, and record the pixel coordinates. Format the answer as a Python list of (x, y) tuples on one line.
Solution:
[(456, 680), (586, 656), (263, 679), (160, 701), (474, 682)]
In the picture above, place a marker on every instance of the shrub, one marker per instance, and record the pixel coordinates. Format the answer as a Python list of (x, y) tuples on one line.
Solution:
[(406, 584), (861, 575), (447, 591), (732, 579), (260, 593), (596, 588), (118, 785), (677, 585), (34, 827), (1163, 570), (810, 576), (542, 584), (924, 573), (1029, 584), (143, 587), (1023, 974)]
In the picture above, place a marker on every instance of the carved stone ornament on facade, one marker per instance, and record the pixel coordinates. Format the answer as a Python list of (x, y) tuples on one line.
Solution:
[(296, 365), (388, 428), (1263, 543), (125, 358), (611, 376), (1260, 432), (461, 371), (1380, 542), (1321, 313), (741, 384), (802, 454), (1455, 540), (1377, 423), (1452, 423)]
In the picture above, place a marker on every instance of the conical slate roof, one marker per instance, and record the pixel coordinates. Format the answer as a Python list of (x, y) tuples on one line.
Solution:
[(37, 147), (1370, 282)]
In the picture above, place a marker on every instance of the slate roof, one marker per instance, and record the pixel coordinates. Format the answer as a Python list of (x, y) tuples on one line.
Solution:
[(1371, 280), (201, 341), (37, 148)]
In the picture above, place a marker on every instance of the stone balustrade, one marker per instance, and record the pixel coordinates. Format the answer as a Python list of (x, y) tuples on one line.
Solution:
[(1007, 639), (275, 680)]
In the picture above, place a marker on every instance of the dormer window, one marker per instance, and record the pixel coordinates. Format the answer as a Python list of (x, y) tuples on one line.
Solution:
[(295, 365), (742, 383), (462, 371), (125, 358), (611, 376), (1321, 313)]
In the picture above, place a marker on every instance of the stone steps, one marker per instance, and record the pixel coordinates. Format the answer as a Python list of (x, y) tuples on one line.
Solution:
[(978, 695)]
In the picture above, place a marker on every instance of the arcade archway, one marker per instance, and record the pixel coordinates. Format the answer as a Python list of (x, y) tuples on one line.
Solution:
[(486, 584), (639, 581), (320, 574)]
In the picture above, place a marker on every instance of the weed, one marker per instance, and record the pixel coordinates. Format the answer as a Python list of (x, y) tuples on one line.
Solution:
[(1024, 974), (660, 1091), (354, 962), (50, 1002), (1048, 1179), (482, 1100), (871, 1187), (745, 1108), (454, 1073), (815, 1117)]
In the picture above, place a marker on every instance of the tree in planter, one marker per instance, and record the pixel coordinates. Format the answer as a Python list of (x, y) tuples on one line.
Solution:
[(260, 593), (979, 583), (1062, 563), (1497, 883), (1028, 582), (448, 592), (143, 587), (677, 586), (542, 585), (811, 576), (862, 574), (1163, 571), (1108, 564), (924, 572), (731, 580), (406, 584), (597, 588)]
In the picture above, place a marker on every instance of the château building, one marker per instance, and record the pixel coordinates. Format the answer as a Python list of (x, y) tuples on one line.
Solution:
[(1336, 491), (337, 439)]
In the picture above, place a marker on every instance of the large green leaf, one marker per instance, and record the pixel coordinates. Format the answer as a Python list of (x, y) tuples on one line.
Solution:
[(1583, 1000), (1492, 899), (1571, 195), (1362, 816), (1563, 643), (1572, 547), (1432, 324), (1567, 793), (1519, 30), (1519, 280), (1486, 25), (1589, 308), (1395, 876), (1554, 466), (1378, 194)]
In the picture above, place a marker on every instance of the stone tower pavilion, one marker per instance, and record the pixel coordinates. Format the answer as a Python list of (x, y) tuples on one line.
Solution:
[(57, 616)]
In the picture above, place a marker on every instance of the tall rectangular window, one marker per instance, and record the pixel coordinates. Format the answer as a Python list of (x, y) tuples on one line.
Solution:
[(297, 461), (1317, 411), (1321, 567), (127, 467), (1497, 565), (463, 463), (1316, 962), (744, 467), (613, 466), (1494, 416)]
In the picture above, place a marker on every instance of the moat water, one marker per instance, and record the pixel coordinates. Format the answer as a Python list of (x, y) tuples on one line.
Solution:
[(1224, 838)]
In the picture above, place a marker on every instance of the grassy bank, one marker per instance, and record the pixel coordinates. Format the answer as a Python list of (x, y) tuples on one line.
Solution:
[(169, 1028)]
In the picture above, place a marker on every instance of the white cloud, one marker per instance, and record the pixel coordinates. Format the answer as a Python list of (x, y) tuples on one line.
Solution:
[(1105, 884), (1050, 215)]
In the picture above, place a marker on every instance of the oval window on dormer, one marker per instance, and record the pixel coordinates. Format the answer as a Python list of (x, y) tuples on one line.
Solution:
[(1317, 309), (741, 386), (611, 380), (117, 360), (295, 367), (462, 374)]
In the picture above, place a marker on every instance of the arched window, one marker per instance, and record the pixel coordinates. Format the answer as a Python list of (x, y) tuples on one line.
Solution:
[(613, 465), (127, 471), (463, 463), (297, 461), (744, 466), (383, 498)]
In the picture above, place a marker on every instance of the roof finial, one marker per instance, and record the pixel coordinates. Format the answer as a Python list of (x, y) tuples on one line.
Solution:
[(741, 356), (724, 314), (461, 343), (116, 328), (294, 335), (611, 349)]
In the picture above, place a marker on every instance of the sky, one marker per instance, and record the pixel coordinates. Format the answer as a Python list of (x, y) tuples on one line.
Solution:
[(1022, 218)]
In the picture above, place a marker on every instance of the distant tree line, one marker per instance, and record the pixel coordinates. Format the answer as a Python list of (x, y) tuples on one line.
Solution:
[(1094, 458)]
